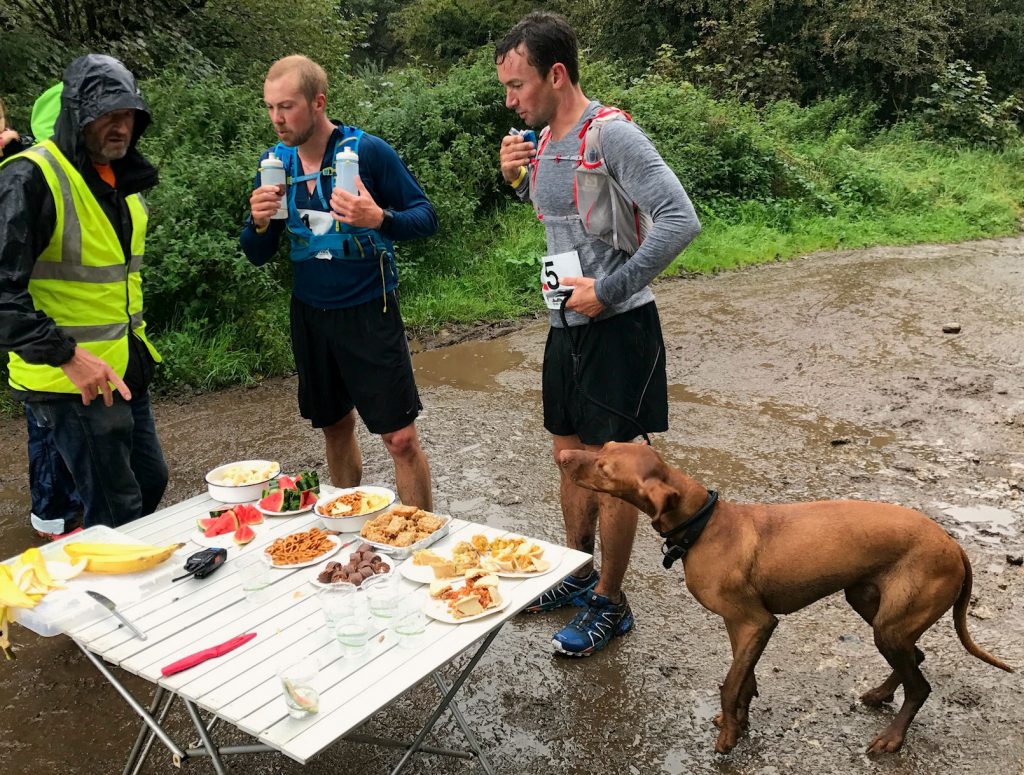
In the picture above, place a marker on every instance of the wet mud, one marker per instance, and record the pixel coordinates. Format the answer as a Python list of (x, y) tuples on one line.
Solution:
[(825, 377)]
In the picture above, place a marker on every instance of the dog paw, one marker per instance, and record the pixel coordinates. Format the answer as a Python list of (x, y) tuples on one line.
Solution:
[(876, 698), (726, 741), (887, 742)]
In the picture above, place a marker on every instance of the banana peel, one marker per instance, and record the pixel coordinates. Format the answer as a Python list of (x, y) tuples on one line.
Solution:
[(12, 595), (27, 580), (5, 641), (22, 585)]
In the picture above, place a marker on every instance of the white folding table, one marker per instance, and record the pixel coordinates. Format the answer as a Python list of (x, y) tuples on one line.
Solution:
[(241, 687)]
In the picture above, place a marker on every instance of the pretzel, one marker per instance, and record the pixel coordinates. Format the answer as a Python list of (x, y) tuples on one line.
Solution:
[(300, 547)]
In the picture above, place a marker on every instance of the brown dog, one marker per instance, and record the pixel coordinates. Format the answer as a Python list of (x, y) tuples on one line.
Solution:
[(900, 571)]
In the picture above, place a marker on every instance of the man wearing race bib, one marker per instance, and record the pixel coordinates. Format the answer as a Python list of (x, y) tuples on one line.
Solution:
[(347, 332), (615, 216)]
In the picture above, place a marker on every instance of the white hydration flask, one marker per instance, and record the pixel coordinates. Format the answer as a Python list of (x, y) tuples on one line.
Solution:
[(272, 174), (346, 167)]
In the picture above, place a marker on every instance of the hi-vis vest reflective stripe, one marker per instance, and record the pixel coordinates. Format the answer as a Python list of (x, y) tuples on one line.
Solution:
[(81, 279)]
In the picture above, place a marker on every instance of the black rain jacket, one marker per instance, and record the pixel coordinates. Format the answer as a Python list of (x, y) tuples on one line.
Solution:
[(93, 86)]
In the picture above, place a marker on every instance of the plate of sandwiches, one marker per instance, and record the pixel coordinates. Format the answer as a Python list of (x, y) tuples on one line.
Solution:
[(466, 599), (507, 556)]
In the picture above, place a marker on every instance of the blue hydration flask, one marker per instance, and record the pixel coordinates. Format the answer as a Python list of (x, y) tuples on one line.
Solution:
[(526, 134)]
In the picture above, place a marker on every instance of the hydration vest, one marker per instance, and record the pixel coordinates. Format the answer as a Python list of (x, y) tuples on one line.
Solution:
[(606, 210), (335, 240)]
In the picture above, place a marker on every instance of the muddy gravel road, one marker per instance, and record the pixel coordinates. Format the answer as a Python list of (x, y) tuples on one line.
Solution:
[(825, 377)]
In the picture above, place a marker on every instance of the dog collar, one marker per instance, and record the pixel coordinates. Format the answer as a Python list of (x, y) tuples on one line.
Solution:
[(680, 539)]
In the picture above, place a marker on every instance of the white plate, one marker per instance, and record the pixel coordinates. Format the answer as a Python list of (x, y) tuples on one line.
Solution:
[(321, 585), (421, 574), (349, 546), (223, 541), (352, 524), (438, 609), (267, 513), (552, 555), (424, 574), (329, 553)]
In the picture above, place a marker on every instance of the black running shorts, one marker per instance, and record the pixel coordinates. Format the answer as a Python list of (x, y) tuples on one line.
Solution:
[(621, 364), (354, 357)]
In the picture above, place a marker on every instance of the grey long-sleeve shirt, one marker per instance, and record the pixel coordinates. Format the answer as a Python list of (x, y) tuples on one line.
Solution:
[(622, 280)]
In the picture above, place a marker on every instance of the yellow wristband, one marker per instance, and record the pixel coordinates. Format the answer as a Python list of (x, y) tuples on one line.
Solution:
[(261, 229), (522, 174)]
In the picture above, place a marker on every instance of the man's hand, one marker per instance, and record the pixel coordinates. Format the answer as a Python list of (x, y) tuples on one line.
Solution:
[(263, 203), (359, 211), (93, 375), (584, 297), (515, 154)]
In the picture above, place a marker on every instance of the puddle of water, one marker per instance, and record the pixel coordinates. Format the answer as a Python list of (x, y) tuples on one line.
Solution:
[(983, 514), (816, 428), (466, 366)]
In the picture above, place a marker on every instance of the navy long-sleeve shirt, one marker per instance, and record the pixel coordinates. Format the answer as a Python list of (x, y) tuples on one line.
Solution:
[(346, 282)]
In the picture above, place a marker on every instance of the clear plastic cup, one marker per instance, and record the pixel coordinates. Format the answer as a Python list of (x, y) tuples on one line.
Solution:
[(382, 592), (334, 601), (347, 615), (255, 576), (300, 695), (409, 621)]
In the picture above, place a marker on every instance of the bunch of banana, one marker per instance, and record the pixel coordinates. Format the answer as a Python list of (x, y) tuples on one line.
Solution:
[(22, 585), (119, 558)]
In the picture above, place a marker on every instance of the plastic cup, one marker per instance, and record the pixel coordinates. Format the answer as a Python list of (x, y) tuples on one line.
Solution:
[(347, 615), (382, 592), (409, 621), (334, 601), (300, 695), (256, 577)]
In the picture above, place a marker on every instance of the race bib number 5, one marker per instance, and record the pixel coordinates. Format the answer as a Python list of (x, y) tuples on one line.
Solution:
[(552, 269)]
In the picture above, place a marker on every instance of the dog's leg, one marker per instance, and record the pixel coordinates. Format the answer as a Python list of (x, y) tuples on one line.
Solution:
[(749, 635), (915, 691), (864, 600), (747, 692), (910, 604)]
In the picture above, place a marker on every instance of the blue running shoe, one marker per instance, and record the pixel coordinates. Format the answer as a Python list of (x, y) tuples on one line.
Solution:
[(598, 622), (565, 593)]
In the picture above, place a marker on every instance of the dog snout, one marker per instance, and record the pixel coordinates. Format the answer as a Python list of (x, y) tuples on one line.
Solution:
[(573, 460)]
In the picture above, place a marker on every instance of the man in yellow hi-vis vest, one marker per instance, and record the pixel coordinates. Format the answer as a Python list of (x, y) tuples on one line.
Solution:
[(72, 238)]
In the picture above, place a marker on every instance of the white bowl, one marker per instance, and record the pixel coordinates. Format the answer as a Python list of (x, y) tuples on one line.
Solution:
[(355, 523), (240, 493)]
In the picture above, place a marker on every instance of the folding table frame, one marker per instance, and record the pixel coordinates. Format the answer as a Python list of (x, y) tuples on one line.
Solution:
[(152, 725)]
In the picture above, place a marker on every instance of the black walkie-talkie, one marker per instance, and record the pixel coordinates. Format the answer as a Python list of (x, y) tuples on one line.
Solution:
[(202, 564)]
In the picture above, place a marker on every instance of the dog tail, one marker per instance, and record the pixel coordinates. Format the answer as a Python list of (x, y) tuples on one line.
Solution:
[(960, 619)]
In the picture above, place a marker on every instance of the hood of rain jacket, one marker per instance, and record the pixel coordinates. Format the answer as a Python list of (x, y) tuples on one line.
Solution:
[(94, 85)]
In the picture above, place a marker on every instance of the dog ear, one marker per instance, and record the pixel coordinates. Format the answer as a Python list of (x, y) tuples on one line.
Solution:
[(663, 497)]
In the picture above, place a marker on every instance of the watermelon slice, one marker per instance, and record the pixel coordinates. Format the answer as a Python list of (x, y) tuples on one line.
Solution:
[(244, 535), (273, 501), (217, 526), (286, 483), (308, 499), (248, 515), (308, 480)]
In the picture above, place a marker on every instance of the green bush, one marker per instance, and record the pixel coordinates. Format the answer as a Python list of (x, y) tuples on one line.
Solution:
[(961, 106)]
